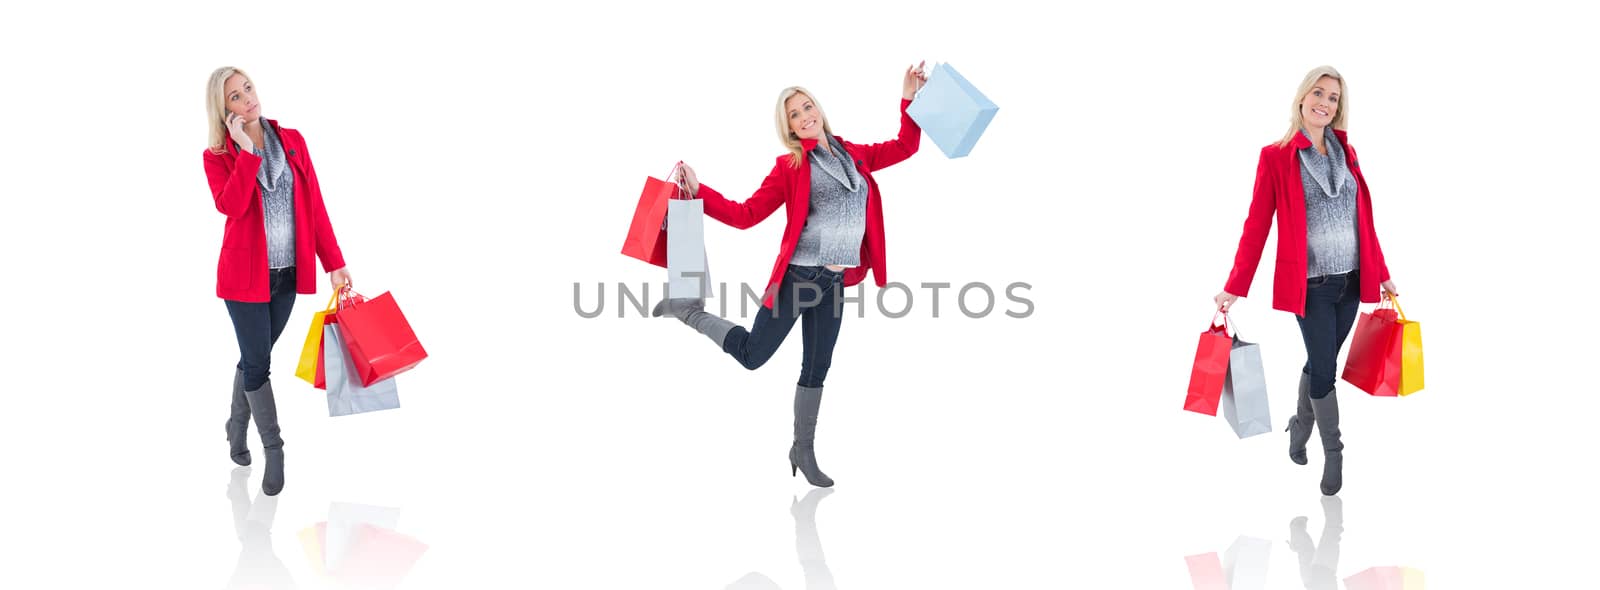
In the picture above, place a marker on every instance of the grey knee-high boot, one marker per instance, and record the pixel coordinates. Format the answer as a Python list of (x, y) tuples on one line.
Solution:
[(693, 313), (238, 422), (265, 411), (1300, 424), (1326, 409), (802, 454)]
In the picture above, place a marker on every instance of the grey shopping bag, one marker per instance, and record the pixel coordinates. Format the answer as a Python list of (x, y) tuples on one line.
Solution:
[(1244, 391), (688, 272), (346, 395)]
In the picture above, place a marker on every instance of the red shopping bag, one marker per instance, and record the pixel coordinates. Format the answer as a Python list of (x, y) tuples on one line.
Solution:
[(1210, 368), (331, 318), (1373, 364), (321, 381), (647, 235), (380, 339)]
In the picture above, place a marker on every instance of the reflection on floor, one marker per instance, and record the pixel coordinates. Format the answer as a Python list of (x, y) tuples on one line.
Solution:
[(1319, 563), (357, 547), (258, 566), (807, 545), (1244, 566), (1386, 578)]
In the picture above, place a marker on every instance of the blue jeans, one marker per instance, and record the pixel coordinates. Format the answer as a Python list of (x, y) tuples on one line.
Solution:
[(808, 294), (1331, 305), (258, 325)]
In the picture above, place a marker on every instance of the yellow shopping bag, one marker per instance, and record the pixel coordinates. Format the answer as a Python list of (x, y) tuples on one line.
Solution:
[(311, 353), (1410, 352)]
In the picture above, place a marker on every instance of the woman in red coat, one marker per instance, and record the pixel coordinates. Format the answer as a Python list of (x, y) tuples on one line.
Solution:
[(262, 181), (834, 236), (1328, 259)]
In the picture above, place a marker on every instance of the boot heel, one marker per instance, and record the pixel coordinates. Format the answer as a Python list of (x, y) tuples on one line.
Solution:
[(793, 469)]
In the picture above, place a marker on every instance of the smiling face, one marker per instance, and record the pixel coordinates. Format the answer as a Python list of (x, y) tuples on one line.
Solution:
[(805, 119), (239, 98), (1319, 106)]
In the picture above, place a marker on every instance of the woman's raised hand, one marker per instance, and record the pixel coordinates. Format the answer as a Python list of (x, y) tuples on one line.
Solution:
[(235, 124), (914, 80)]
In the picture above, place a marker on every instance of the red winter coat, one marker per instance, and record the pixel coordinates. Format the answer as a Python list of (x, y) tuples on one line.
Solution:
[(1278, 190), (242, 266), (790, 186)]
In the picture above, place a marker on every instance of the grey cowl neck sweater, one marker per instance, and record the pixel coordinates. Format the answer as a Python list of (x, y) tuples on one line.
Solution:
[(837, 219), (1330, 187)]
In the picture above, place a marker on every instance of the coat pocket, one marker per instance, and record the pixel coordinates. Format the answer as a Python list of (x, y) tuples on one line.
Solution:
[(237, 269)]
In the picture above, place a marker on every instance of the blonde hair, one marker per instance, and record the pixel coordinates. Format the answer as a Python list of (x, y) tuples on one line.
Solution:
[(1341, 110), (790, 141), (217, 106)]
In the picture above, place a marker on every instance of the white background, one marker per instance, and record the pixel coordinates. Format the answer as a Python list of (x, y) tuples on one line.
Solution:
[(477, 161)]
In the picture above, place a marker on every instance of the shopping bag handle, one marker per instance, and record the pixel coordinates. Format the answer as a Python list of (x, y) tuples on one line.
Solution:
[(348, 297), (681, 183), (333, 301), (683, 190), (1224, 325), (1395, 300)]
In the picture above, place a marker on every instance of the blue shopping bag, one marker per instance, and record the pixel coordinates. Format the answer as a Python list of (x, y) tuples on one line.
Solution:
[(951, 111)]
